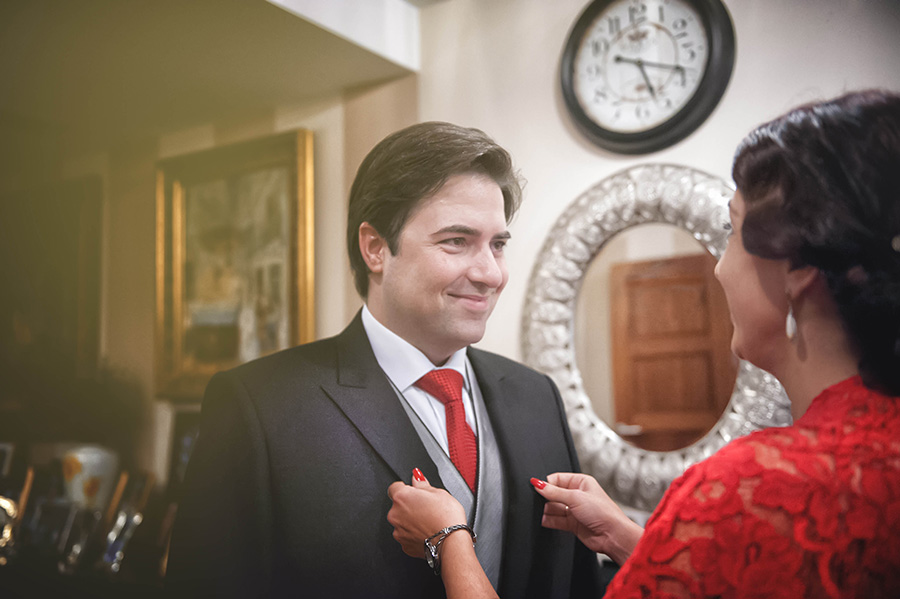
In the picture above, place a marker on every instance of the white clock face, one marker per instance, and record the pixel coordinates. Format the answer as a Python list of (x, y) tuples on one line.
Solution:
[(639, 63)]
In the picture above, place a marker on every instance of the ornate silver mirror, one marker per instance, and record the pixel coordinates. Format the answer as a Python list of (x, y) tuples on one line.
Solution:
[(653, 193)]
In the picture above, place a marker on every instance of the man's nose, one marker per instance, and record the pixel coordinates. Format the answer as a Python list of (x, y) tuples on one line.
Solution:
[(486, 269)]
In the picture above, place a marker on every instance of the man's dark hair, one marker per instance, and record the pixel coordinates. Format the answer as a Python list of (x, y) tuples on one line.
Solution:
[(412, 165)]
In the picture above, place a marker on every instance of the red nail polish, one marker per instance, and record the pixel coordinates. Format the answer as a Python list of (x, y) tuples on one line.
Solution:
[(538, 484), (417, 474)]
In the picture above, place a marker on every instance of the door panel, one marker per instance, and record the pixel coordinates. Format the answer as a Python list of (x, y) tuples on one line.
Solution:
[(672, 362)]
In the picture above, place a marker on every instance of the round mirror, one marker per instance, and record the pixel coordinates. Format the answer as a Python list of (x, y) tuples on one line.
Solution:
[(653, 341), (685, 198)]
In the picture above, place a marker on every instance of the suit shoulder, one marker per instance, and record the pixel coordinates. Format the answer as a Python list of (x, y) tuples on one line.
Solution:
[(502, 364), (309, 356)]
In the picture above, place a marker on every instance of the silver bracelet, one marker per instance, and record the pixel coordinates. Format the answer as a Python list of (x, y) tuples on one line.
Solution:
[(433, 550)]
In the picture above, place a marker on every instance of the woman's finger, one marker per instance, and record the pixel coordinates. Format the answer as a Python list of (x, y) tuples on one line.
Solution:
[(395, 488), (555, 509), (418, 480), (557, 522), (552, 493)]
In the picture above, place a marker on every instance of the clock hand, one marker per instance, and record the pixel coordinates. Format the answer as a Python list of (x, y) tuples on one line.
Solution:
[(647, 63), (644, 63), (640, 65), (675, 67), (647, 80)]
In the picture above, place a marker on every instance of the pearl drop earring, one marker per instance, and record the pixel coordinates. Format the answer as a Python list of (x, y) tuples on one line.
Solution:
[(790, 324)]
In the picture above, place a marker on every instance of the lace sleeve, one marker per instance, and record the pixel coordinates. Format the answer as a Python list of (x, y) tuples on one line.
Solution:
[(772, 516)]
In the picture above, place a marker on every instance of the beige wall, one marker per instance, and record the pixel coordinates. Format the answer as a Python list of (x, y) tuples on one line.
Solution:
[(369, 116)]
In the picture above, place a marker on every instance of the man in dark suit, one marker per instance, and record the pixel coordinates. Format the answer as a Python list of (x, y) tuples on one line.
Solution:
[(286, 491)]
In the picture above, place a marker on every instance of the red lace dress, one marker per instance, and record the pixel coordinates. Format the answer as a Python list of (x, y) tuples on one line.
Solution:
[(811, 510)]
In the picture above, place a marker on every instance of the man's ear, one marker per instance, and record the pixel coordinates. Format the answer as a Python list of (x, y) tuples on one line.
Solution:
[(372, 246)]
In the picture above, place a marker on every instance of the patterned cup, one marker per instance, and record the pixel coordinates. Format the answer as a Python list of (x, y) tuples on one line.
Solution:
[(89, 474)]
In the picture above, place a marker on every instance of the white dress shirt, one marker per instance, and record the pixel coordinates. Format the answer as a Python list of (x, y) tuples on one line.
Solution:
[(404, 365)]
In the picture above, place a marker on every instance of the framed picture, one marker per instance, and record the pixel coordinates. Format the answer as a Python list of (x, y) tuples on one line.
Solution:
[(234, 258)]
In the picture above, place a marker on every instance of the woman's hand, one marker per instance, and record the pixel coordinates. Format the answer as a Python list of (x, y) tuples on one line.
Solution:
[(419, 511), (577, 503)]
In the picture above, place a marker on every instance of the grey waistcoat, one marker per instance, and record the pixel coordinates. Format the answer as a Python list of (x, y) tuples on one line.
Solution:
[(485, 509)]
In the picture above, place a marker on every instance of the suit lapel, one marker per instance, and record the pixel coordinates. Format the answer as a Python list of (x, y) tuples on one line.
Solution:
[(516, 433), (364, 395)]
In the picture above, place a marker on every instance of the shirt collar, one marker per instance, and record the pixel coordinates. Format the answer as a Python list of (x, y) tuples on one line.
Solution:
[(400, 360)]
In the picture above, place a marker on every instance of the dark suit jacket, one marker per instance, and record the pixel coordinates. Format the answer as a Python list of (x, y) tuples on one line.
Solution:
[(286, 490)]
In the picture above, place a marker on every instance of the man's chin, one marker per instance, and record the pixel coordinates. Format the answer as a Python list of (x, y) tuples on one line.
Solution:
[(471, 334)]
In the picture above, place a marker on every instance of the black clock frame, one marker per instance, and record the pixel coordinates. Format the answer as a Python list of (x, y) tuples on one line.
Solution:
[(720, 34)]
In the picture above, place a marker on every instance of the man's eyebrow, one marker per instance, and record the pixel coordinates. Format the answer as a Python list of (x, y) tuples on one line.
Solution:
[(461, 229), (469, 231)]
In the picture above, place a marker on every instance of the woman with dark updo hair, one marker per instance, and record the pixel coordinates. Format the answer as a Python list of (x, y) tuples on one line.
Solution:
[(821, 189), (812, 278)]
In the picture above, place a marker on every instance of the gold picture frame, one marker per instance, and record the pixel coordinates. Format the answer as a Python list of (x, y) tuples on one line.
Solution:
[(234, 258)]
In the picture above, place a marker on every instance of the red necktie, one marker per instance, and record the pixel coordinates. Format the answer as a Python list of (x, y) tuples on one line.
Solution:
[(445, 384)]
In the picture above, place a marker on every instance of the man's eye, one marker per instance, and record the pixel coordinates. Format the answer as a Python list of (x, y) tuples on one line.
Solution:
[(455, 241), (499, 246)]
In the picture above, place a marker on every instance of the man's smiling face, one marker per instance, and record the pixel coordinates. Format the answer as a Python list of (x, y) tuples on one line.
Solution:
[(439, 289)]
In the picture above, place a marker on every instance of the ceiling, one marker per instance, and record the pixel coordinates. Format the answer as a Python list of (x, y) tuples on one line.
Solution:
[(91, 73)]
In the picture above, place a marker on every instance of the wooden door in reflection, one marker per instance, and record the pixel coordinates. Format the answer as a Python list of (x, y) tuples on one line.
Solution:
[(672, 363)]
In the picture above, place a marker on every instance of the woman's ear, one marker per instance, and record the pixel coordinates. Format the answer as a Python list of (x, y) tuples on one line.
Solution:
[(372, 246), (802, 280)]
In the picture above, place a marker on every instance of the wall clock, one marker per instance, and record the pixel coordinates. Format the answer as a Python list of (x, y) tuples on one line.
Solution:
[(640, 75)]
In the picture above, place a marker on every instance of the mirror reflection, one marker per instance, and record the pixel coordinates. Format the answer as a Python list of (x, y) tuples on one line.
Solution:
[(652, 338)]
